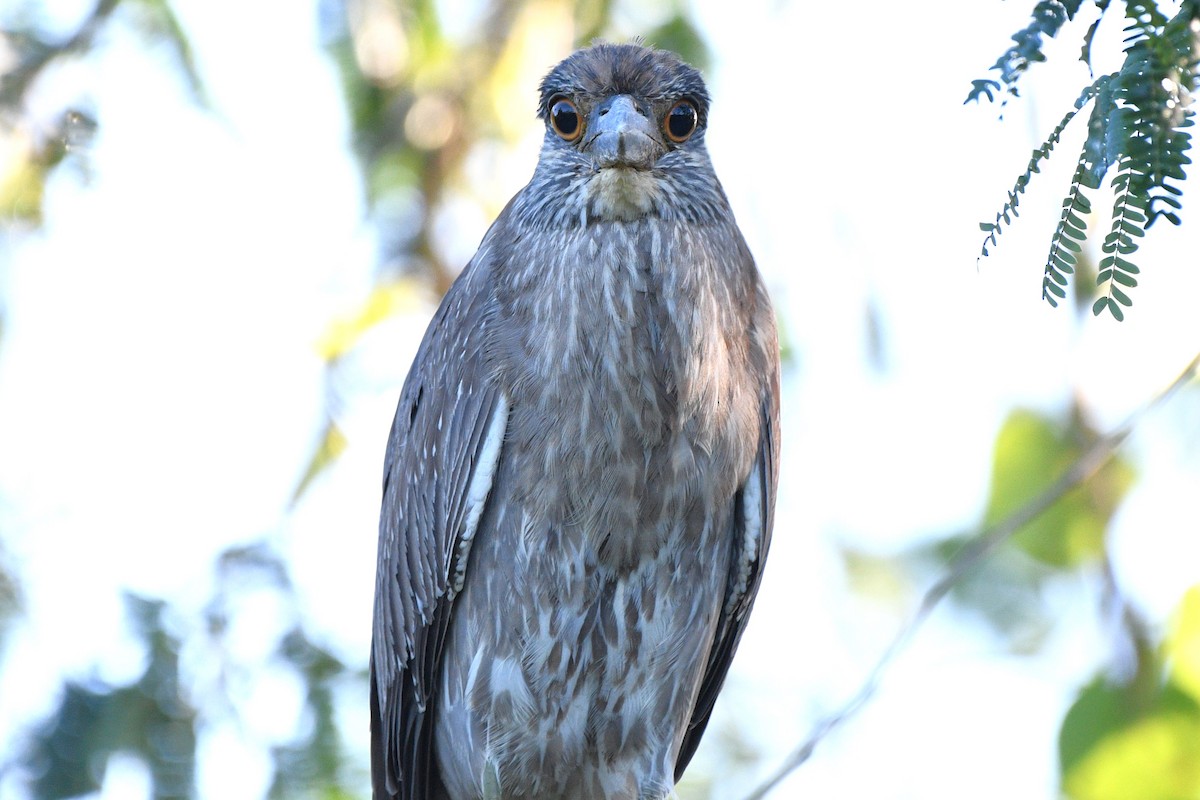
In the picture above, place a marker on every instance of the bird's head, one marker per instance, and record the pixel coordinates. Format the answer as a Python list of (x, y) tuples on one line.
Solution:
[(624, 138)]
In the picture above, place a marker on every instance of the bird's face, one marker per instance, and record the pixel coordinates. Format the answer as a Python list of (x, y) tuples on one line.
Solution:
[(624, 138), (621, 131)]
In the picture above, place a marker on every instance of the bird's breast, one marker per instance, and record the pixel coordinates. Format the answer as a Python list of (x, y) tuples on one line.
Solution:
[(629, 415)]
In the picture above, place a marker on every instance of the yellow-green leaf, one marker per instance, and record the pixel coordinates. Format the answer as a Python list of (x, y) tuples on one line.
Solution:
[(384, 301), (1156, 758), (1182, 646), (22, 182), (333, 443), (1032, 451)]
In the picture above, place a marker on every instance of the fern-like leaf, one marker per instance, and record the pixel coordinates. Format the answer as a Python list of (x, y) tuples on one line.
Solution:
[(1040, 154), (1148, 129), (1048, 18), (1139, 128), (1068, 238), (1128, 225)]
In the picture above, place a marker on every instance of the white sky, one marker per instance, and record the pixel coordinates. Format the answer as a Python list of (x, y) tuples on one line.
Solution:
[(160, 389)]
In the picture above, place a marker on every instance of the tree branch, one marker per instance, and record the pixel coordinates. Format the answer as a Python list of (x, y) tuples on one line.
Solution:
[(970, 556), (14, 85)]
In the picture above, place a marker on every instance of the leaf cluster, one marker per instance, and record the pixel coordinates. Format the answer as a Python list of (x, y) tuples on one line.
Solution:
[(1137, 133), (1048, 18)]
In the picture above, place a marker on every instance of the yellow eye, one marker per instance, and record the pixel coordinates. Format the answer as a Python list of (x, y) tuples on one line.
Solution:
[(681, 121), (564, 119)]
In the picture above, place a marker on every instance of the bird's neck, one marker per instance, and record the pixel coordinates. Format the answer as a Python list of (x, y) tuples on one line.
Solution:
[(622, 194)]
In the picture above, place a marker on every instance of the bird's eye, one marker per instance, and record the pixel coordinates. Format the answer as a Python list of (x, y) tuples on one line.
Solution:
[(681, 121), (564, 119)]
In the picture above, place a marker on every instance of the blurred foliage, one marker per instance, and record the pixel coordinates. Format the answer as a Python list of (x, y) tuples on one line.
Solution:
[(1031, 451), (1112, 749), (10, 595), (331, 445), (386, 300), (1139, 737), (1137, 132), (149, 718), (31, 152), (160, 717), (1132, 733), (1182, 645)]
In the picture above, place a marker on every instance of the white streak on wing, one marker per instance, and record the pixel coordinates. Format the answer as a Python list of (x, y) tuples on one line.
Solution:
[(752, 522), (472, 674), (480, 486)]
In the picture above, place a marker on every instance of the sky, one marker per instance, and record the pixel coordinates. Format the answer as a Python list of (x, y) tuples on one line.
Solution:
[(161, 388)]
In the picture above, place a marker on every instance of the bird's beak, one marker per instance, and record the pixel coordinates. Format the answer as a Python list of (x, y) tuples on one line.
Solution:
[(619, 135)]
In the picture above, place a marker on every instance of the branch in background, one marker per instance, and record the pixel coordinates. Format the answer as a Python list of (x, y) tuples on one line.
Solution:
[(14, 85), (37, 146), (980, 548)]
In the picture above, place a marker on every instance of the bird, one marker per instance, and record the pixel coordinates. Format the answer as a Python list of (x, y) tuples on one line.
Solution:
[(580, 478)]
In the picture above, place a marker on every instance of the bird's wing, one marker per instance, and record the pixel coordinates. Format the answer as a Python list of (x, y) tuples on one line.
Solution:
[(441, 458), (752, 519)]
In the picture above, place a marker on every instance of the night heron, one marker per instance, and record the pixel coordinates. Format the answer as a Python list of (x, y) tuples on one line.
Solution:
[(580, 479)]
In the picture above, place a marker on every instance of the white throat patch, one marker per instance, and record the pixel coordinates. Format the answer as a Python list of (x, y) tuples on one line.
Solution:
[(622, 193)]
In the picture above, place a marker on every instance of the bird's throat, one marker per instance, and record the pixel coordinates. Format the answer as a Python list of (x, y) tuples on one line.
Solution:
[(623, 193)]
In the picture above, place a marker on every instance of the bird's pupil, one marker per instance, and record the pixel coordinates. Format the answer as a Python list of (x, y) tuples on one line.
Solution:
[(681, 121), (566, 120)]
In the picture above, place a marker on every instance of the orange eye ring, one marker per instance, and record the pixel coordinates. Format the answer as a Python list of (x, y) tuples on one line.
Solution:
[(565, 120), (681, 121)]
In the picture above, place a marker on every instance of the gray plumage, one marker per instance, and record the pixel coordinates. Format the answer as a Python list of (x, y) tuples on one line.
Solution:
[(580, 479)]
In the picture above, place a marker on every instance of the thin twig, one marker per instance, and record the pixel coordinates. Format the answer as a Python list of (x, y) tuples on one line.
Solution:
[(979, 548)]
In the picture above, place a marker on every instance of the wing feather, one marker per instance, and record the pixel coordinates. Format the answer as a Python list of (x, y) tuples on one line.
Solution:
[(751, 523), (442, 454)]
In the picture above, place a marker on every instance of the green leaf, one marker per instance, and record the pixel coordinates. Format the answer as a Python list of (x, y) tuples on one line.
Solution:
[(1098, 711), (1152, 759), (1062, 264), (1031, 452), (1182, 645), (1085, 54)]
